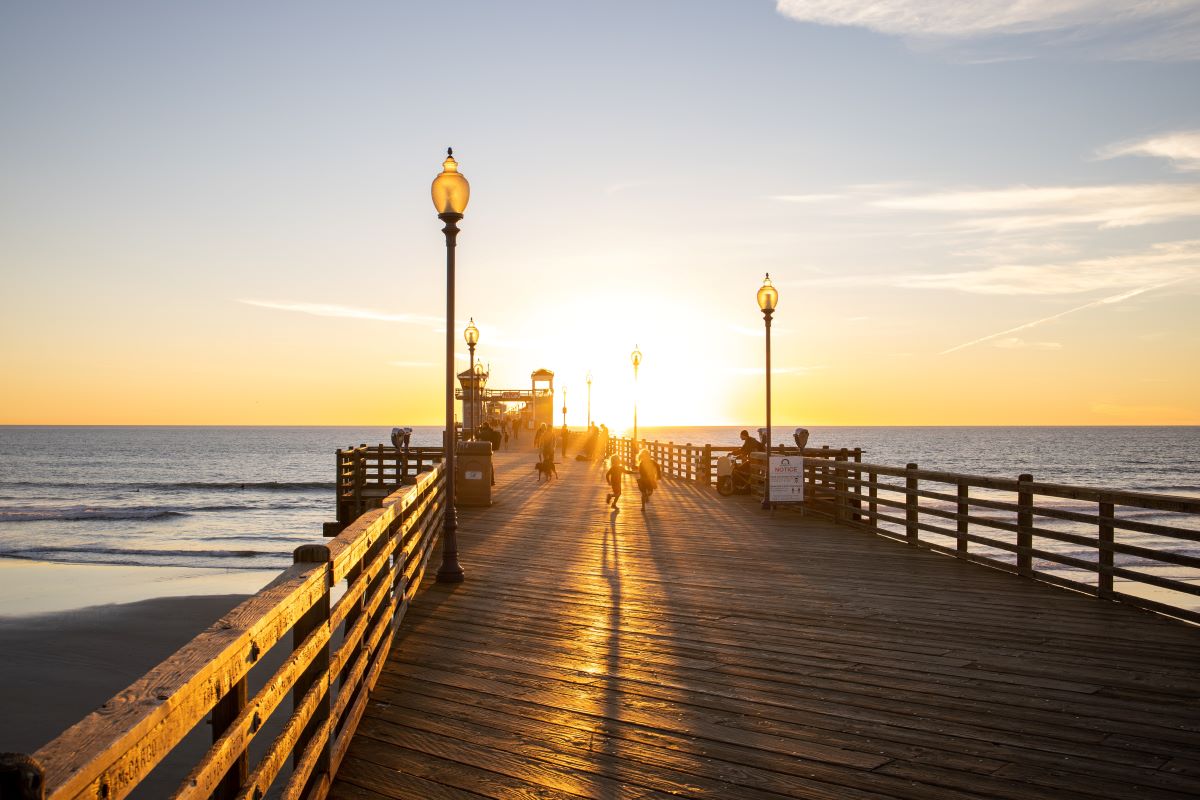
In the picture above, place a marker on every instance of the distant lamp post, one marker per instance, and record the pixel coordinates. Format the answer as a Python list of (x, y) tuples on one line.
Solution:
[(564, 433), (636, 358), (768, 298), (589, 383), (450, 192), (471, 334), (478, 371)]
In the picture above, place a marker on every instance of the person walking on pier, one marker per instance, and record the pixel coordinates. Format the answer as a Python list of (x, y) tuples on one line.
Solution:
[(647, 473), (615, 476)]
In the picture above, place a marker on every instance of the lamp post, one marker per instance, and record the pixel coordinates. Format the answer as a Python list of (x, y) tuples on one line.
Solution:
[(589, 383), (477, 372), (564, 433), (450, 192), (768, 298), (636, 358), (471, 334)]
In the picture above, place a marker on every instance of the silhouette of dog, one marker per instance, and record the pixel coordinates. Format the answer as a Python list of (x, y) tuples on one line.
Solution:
[(546, 467)]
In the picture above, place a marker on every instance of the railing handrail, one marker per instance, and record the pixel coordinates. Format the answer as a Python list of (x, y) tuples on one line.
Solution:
[(383, 556)]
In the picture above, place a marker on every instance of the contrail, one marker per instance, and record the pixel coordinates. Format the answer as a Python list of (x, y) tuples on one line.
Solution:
[(1116, 298)]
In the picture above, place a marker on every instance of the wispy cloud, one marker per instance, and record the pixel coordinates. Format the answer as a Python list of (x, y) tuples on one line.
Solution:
[(1030, 208), (346, 312), (1165, 30), (1117, 298), (1181, 148), (806, 198), (1017, 343), (1160, 264), (413, 364)]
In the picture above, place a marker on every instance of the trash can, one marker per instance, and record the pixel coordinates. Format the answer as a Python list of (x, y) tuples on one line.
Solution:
[(473, 474)]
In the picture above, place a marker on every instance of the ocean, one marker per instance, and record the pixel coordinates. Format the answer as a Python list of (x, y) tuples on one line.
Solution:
[(243, 498)]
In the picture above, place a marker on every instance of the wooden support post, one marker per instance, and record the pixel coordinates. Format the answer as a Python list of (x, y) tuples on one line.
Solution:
[(911, 507), (840, 501), (21, 777), (857, 453), (1104, 586), (872, 495), (353, 575), (223, 714), (963, 510), (1025, 526), (705, 473), (311, 620)]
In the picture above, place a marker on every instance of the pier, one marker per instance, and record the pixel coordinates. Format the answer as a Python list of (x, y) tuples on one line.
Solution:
[(889, 638)]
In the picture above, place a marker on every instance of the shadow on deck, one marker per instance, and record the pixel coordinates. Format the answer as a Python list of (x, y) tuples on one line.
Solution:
[(706, 648)]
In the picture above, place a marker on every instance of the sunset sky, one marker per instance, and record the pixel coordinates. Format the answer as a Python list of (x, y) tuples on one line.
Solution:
[(975, 213)]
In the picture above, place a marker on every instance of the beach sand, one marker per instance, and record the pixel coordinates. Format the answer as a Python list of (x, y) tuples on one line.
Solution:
[(40, 587), (57, 668)]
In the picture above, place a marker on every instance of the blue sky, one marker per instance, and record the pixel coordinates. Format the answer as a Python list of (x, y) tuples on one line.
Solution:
[(229, 201)]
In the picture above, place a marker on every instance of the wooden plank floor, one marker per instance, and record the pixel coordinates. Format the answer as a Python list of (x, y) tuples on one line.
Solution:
[(708, 648)]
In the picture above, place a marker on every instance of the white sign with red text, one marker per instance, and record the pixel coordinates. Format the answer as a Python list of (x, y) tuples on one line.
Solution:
[(787, 479)]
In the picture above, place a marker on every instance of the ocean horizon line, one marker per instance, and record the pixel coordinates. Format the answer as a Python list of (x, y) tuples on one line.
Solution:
[(644, 426)]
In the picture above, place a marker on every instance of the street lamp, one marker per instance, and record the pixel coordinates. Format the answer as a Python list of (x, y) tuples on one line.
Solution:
[(768, 298), (477, 372), (450, 192), (471, 334), (636, 358), (589, 383)]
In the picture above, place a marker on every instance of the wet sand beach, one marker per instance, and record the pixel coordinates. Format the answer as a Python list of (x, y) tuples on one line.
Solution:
[(58, 667)]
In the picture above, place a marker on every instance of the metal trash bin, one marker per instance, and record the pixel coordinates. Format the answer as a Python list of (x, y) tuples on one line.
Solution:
[(473, 474)]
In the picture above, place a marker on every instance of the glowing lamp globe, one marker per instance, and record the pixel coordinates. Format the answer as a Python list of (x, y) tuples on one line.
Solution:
[(636, 356), (450, 189), (471, 334), (768, 296)]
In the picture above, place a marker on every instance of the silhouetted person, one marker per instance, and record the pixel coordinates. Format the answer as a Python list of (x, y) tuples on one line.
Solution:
[(615, 476), (648, 474)]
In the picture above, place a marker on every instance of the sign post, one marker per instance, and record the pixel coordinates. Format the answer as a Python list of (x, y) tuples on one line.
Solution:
[(786, 476)]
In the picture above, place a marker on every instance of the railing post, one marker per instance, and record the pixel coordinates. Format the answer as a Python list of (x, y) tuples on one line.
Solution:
[(910, 504), (1024, 526), (857, 485), (21, 777), (310, 621), (963, 509), (1104, 585), (840, 501), (223, 714), (704, 470), (872, 495)]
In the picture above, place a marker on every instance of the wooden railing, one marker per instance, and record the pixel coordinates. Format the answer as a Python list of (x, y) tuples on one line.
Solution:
[(367, 474), (698, 463), (337, 651), (1075, 537)]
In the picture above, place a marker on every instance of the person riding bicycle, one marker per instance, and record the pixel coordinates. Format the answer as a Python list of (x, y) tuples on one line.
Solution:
[(742, 454)]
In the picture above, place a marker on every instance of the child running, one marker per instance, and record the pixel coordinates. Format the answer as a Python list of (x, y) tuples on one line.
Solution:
[(614, 477), (647, 473)]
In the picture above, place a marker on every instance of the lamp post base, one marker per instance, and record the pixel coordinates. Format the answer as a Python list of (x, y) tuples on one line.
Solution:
[(452, 574)]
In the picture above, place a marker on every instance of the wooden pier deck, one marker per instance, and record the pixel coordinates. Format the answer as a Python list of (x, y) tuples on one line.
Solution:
[(708, 648)]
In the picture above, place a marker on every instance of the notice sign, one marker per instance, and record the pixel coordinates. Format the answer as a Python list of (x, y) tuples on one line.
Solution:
[(787, 479)]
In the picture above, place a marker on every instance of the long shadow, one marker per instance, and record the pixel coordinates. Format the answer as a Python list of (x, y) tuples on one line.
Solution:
[(610, 571)]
